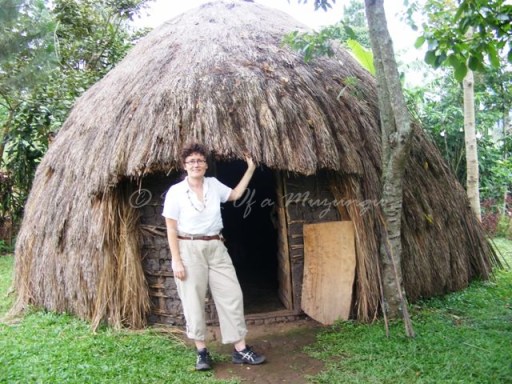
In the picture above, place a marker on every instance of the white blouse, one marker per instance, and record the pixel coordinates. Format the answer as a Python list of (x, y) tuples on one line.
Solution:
[(193, 216)]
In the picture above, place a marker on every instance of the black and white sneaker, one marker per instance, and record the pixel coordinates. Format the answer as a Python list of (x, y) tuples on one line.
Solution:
[(247, 356), (204, 360)]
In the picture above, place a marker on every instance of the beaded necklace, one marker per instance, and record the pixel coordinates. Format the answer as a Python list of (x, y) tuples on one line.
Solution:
[(205, 201)]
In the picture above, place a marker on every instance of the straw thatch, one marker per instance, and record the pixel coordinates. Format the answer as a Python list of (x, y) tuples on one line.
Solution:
[(220, 75)]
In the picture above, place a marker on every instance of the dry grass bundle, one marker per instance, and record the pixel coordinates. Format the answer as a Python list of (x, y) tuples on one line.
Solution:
[(361, 210), (444, 244), (122, 296)]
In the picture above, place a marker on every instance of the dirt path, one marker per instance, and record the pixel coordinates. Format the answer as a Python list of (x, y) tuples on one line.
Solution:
[(283, 346)]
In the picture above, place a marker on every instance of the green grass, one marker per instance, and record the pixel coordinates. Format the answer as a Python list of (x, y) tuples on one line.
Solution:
[(45, 347), (6, 272), (464, 337)]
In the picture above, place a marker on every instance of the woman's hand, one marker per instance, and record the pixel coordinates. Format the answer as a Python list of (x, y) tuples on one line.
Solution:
[(178, 269), (250, 163), (239, 190)]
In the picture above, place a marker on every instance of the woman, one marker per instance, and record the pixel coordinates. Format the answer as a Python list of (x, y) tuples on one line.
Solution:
[(200, 259)]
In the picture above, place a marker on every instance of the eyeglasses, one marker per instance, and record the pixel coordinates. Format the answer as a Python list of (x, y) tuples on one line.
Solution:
[(194, 162)]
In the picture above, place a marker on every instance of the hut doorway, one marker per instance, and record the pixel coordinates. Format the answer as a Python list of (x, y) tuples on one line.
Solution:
[(251, 230)]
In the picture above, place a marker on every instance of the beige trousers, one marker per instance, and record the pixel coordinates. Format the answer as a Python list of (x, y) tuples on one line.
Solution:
[(207, 263)]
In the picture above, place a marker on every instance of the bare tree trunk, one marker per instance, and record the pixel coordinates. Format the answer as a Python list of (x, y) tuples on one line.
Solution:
[(506, 131), (472, 178), (396, 132), (4, 133)]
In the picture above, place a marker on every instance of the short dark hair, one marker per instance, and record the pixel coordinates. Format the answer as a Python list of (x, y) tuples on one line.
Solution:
[(193, 148)]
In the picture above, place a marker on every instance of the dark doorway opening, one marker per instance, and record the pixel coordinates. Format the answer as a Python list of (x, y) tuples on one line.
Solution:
[(250, 229)]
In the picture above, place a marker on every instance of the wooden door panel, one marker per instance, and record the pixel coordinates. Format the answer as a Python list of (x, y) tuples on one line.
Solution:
[(329, 270)]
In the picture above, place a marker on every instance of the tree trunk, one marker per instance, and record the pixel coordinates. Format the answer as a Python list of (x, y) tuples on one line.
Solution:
[(472, 174), (506, 131), (396, 133), (4, 132)]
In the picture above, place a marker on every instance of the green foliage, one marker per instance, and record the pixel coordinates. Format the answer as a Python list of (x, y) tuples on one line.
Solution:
[(94, 35), (27, 59), (470, 35), (324, 4), (494, 85), (363, 56), (26, 54), (64, 50), (351, 32), (311, 44), (439, 107), (495, 171), (5, 248), (504, 227), (463, 337)]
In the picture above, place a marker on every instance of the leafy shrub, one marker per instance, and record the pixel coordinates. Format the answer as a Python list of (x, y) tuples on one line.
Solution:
[(490, 216), (6, 248), (496, 219)]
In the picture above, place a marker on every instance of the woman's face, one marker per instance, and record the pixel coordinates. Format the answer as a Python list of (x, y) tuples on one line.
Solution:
[(196, 165)]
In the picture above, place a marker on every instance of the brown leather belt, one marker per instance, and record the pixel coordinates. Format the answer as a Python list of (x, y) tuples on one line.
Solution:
[(214, 237)]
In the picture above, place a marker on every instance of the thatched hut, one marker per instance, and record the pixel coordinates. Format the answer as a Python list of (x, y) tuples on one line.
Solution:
[(93, 241)]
